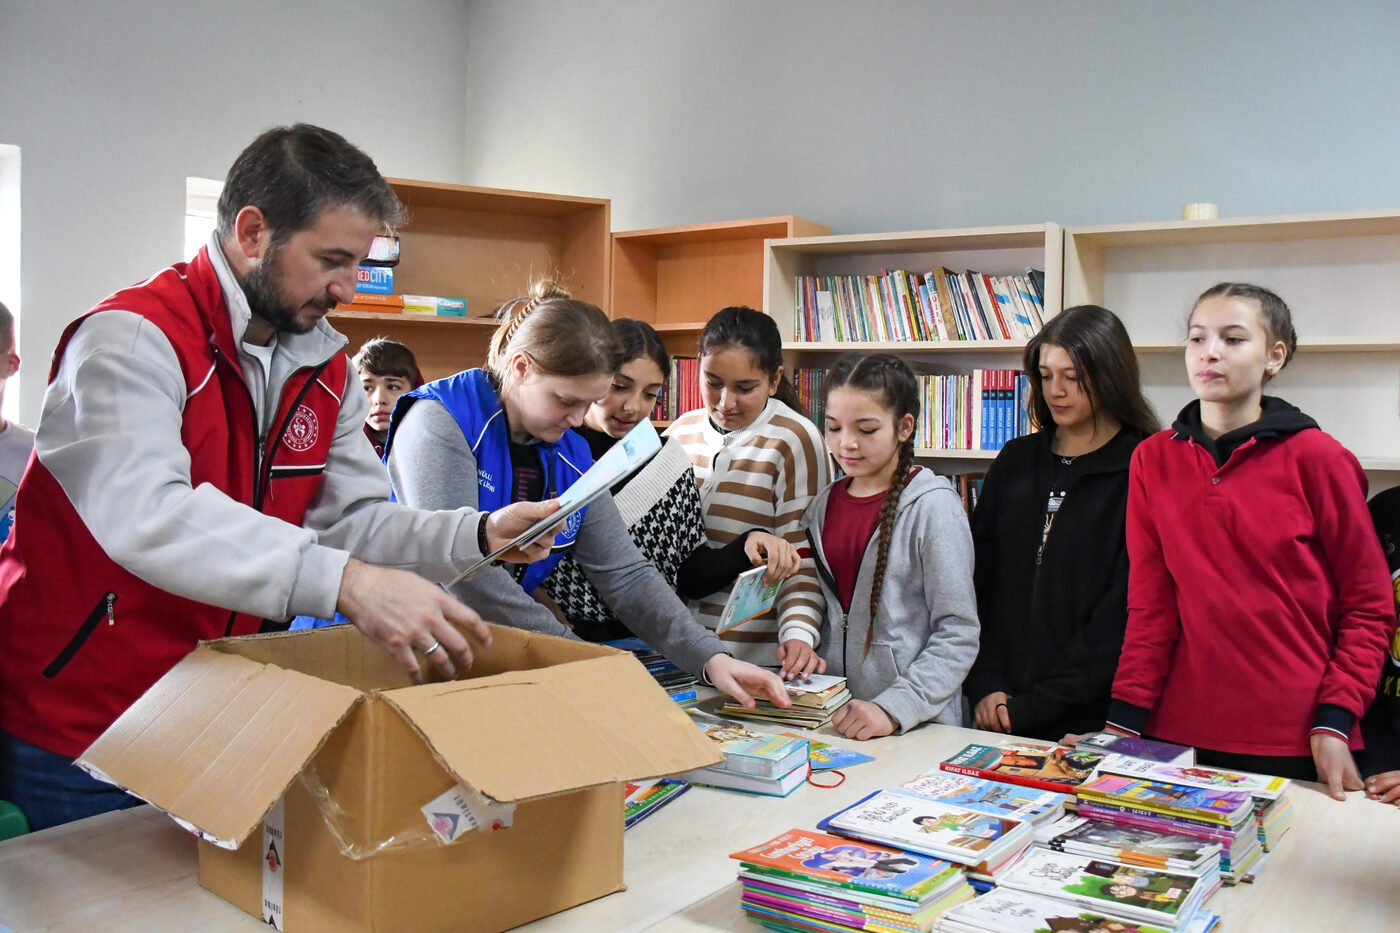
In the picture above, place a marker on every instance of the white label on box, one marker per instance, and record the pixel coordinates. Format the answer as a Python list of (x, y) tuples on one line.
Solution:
[(459, 811), (273, 865)]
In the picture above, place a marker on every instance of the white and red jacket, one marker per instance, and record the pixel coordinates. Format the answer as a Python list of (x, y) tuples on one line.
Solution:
[(1259, 604), (178, 492)]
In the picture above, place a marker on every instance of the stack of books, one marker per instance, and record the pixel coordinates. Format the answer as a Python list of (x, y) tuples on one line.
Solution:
[(1049, 891), (680, 685), (1224, 817), (814, 699), (802, 881), (1034, 764), (1273, 811), (643, 798), (754, 762), (930, 827), (1133, 845), (1138, 748)]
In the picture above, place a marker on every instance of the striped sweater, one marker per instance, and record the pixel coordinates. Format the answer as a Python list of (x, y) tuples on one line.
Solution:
[(762, 476)]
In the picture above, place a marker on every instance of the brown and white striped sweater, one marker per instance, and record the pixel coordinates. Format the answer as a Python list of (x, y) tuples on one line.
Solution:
[(762, 476)]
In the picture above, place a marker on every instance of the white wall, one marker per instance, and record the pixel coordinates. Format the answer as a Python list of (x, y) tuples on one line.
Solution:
[(910, 114), (113, 103)]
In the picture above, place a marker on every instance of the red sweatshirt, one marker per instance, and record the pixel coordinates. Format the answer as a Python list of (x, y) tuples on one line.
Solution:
[(1259, 604)]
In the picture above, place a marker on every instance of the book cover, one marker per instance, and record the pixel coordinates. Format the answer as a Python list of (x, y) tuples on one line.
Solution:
[(929, 826), (1014, 800), (643, 798), (1002, 910), (1259, 786), (825, 757), (1053, 767), (1213, 806), (749, 598), (1121, 841), (378, 280), (1136, 747), (1130, 891), (748, 752), (860, 866)]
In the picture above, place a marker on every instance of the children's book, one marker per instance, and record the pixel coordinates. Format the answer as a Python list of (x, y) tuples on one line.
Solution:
[(814, 699), (1223, 807), (1131, 892), (825, 757), (931, 827), (622, 459), (1002, 910), (1034, 764), (644, 798), (1124, 843), (779, 786), (748, 599), (1261, 787), (841, 863), (1014, 800), (1136, 747), (748, 752)]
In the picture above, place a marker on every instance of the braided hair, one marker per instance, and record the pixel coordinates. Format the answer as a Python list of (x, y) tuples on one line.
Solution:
[(561, 335), (890, 380)]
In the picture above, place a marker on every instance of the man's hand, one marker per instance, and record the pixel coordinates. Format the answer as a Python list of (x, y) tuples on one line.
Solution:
[(404, 613), (798, 659), (1335, 766), (505, 525), (1384, 787), (781, 557), (741, 680), (861, 720), (992, 713)]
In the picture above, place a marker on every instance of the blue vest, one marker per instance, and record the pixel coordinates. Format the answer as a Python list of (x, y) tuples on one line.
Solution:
[(472, 401)]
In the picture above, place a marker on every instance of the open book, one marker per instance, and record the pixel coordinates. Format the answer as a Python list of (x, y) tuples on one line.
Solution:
[(632, 450)]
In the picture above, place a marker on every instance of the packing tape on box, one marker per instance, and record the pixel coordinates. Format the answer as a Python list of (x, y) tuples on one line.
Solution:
[(447, 818)]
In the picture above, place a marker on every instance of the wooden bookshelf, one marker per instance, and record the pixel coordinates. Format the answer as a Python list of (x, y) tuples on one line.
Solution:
[(1339, 273), (675, 278), (486, 245)]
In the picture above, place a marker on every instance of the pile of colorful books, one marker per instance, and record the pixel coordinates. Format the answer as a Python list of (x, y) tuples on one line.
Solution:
[(814, 699), (803, 881), (643, 798), (676, 682), (754, 762)]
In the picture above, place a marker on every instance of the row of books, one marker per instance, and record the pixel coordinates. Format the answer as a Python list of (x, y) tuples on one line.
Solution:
[(680, 392), (406, 304), (903, 306), (980, 410)]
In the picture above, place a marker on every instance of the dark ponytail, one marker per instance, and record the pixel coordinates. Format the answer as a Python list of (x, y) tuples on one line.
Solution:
[(890, 380), (757, 333)]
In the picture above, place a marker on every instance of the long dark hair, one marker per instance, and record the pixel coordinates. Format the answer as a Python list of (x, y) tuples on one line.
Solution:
[(890, 381), (639, 339), (757, 333), (1273, 314), (1102, 353)]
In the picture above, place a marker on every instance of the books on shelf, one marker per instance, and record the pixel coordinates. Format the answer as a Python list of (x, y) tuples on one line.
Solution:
[(1129, 892), (680, 392), (901, 306), (930, 827), (643, 798), (748, 752), (377, 280), (977, 410), (1034, 764), (1137, 747)]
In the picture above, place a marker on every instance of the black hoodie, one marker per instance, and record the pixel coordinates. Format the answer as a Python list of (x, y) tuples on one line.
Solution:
[(1051, 633), (1277, 418)]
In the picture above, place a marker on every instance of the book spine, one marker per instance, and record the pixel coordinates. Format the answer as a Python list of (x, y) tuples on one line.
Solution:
[(1154, 806), (1157, 821), (1005, 778)]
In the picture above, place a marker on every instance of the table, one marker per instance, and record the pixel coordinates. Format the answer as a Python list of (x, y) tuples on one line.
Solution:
[(135, 869)]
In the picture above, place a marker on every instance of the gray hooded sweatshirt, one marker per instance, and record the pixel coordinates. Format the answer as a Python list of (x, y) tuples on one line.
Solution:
[(926, 630)]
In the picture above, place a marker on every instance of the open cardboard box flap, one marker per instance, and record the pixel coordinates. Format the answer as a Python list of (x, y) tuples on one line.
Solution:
[(219, 738), (532, 733)]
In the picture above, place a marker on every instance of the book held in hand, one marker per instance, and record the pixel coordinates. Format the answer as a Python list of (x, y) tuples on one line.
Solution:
[(749, 598)]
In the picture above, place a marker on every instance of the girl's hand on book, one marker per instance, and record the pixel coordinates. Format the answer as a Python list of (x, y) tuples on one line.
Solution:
[(780, 556), (799, 659), (1384, 787), (741, 680), (992, 713), (1335, 766), (861, 720)]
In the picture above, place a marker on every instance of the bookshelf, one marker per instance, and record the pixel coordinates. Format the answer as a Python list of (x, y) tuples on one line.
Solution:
[(1339, 273), (992, 250), (485, 245), (675, 278)]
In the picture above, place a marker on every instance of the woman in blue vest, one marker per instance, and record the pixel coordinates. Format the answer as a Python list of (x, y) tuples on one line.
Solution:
[(490, 437)]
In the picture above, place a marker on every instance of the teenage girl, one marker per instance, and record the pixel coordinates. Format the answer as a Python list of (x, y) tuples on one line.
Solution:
[(1049, 533), (659, 503), (759, 461), (894, 555), (490, 437), (1259, 605)]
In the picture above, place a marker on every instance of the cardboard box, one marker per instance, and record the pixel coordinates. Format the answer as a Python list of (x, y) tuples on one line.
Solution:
[(325, 722)]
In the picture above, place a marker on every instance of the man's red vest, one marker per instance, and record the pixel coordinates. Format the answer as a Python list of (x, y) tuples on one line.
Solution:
[(80, 638)]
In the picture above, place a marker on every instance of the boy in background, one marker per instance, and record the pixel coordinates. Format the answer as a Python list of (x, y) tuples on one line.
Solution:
[(387, 370), (16, 441)]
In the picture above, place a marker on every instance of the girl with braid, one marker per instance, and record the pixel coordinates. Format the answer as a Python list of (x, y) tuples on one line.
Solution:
[(892, 548)]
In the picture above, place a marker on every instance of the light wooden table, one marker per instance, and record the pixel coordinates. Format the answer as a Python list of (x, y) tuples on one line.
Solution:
[(135, 870)]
